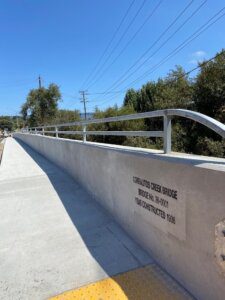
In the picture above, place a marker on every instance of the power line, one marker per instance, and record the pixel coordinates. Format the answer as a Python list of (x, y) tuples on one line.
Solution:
[(128, 43), (121, 38), (102, 102), (164, 43), (94, 93), (102, 93), (183, 75), (187, 41), (198, 67), (109, 44), (193, 36), (154, 43), (69, 95), (171, 81)]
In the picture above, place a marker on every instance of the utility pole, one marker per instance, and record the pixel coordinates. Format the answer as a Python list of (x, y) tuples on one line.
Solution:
[(84, 100), (39, 81)]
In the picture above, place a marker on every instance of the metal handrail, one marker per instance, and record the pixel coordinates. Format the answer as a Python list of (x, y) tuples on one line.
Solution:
[(167, 115)]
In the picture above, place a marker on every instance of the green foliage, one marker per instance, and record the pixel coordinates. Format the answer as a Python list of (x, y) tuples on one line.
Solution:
[(174, 91), (142, 142), (179, 136), (65, 116), (132, 99), (41, 105), (115, 126), (6, 123), (209, 89), (11, 123), (209, 99), (209, 147), (206, 94)]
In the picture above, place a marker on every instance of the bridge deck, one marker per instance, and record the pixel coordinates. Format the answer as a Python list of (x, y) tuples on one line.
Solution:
[(55, 237)]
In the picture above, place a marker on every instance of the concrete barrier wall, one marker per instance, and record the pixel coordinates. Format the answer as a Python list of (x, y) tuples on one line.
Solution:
[(170, 203)]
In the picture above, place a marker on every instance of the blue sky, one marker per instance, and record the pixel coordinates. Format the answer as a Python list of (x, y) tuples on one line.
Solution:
[(62, 40)]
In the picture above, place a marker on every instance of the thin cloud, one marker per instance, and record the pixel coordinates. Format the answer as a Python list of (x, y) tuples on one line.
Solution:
[(199, 53), (197, 57)]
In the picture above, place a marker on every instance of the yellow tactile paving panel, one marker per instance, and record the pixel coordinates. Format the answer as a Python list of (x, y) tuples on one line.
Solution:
[(148, 282)]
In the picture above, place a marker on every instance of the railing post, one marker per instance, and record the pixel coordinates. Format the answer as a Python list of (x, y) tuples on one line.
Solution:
[(84, 134), (43, 131), (167, 134), (56, 132)]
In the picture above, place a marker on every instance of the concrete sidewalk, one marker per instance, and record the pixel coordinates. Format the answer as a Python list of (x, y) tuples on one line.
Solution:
[(54, 235)]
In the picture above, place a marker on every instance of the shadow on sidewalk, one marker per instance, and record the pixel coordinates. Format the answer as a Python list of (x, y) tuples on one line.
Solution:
[(105, 240)]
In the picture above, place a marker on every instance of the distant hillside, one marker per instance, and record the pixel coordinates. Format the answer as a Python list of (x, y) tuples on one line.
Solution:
[(89, 115)]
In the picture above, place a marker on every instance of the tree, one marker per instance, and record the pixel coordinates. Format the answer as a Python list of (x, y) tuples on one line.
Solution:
[(66, 116), (209, 90), (6, 122), (131, 99), (41, 105), (114, 126), (209, 99), (173, 91)]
